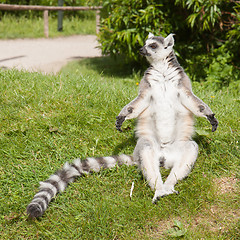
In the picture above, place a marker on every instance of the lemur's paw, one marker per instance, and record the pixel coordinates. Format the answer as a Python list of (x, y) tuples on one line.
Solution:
[(119, 122), (214, 122), (162, 193)]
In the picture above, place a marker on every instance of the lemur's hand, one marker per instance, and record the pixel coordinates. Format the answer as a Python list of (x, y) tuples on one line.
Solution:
[(213, 121), (119, 122)]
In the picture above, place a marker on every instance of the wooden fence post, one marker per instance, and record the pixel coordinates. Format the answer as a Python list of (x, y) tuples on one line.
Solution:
[(60, 16), (45, 9), (97, 21), (45, 17)]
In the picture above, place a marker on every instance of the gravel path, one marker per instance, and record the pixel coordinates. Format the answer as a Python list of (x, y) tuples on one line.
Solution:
[(46, 55)]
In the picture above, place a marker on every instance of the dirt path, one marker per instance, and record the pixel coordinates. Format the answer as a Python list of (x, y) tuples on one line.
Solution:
[(46, 55)]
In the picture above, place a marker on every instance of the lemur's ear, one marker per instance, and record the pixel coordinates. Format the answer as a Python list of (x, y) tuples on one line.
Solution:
[(169, 41), (150, 35)]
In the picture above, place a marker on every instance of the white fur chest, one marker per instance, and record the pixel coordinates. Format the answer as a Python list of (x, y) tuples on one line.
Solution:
[(164, 87), (164, 106)]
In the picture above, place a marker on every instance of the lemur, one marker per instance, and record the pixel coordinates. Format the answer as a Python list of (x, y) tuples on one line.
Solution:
[(165, 109)]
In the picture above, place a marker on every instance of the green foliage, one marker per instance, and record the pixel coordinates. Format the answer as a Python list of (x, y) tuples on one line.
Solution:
[(202, 14), (214, 70), (220, 71), (207, 34), (128, 23), (177, 230)]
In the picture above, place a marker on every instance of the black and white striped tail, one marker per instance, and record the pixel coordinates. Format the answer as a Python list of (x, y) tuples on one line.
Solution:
[(59, 181)]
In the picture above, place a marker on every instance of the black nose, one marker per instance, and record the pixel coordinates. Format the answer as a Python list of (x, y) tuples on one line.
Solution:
[(143, 51)]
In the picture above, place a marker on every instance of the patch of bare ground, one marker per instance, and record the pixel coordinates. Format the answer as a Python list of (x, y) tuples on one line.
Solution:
[(216, 219), (158, 232), (226, 184), (219, 216)]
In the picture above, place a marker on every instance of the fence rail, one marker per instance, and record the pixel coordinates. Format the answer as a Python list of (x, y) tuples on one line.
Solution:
[(45, 10)]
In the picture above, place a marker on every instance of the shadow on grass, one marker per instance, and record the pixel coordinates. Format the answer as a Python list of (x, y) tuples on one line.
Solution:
[(203, 142), (111, 66), (131, 141)]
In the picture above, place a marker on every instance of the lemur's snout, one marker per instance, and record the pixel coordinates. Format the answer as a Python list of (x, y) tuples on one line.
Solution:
[(143, 51)]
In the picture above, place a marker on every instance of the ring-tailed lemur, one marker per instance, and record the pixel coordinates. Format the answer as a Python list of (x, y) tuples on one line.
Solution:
[(164, 107)]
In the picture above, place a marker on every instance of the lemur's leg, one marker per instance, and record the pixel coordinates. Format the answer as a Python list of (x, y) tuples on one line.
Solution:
[(147, 156), (180, 157), (188, 151)]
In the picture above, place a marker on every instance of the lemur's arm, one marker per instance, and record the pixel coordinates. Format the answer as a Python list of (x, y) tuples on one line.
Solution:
[(197, 106), (135, 107), (131, 110)]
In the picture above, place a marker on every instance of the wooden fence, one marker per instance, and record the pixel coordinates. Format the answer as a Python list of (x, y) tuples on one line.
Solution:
[(45, 10)]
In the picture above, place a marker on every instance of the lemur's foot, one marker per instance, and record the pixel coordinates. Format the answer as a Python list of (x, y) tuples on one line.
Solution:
[(162, 193)]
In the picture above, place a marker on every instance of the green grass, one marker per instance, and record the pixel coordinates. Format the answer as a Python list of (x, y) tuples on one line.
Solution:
[(22, 27), (47, 120)]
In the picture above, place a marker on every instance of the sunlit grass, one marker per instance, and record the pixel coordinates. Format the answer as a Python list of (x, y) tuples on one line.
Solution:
[(22, 27), (48, 120)]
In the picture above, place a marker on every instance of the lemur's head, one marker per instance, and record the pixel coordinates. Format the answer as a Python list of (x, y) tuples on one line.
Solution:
[(157, 48)]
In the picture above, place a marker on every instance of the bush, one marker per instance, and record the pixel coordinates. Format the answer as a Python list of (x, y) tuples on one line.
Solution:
[(207, 33), (127, 23)]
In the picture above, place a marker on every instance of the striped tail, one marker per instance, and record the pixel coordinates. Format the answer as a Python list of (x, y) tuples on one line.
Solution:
[(59, 181)]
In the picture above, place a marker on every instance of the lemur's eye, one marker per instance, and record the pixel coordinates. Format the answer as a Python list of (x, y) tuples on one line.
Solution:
[(153, 45)]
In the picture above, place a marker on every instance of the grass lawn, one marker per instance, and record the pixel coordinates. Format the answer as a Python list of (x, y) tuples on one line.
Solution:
[(23, 27), (48, 120)]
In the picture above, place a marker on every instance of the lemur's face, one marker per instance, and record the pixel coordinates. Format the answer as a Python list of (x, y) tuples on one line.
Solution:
[(157, 48)]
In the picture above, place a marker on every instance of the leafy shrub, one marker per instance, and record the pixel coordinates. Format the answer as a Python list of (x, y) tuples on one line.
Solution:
[(127, 24), (207, 33)]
